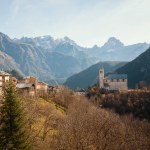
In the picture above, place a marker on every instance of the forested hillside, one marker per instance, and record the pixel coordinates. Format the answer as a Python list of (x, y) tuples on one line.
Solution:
[(137, 70), (66, 121)]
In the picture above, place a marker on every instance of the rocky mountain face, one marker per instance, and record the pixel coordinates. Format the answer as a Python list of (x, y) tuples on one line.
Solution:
[(29, 59), (137, 70), (115, 50), (89, 76), (55, 60)]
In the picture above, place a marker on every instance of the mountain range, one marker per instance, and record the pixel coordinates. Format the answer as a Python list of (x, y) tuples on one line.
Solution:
[(44, 57), (54, 60), (115, 50)]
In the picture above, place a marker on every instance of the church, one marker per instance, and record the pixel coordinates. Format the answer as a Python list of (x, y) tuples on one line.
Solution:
[(113, 81)]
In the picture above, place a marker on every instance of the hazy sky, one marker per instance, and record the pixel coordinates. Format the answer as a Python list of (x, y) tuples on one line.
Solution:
[(87, 22)]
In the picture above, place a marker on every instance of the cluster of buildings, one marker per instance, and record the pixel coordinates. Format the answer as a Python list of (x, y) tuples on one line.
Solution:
[(32, 87), (117, 82), (29, 85)]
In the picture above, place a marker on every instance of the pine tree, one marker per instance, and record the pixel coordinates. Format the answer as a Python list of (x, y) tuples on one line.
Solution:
[(13, 133)]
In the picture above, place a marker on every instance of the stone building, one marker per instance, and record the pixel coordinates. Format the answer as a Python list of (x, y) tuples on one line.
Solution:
[(4, 78), (113, 81), (27, 86), (31, 86), (42, 88)]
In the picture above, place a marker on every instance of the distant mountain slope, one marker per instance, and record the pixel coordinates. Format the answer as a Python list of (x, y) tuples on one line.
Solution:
[(7, 62), (89, 76), (30, 59), (63, 65), (138, 69), (115, 50)]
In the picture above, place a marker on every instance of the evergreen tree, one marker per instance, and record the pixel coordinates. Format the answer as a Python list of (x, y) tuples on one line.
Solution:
[(13, 133)]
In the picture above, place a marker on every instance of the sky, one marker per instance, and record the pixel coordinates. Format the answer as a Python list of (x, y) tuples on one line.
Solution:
[(87, 22)]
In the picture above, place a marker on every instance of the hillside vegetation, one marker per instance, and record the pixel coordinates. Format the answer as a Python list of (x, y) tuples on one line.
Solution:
[(135, 102), (65, 121)]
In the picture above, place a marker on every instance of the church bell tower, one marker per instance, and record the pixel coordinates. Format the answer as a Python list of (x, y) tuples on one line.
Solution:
[(101, 78)]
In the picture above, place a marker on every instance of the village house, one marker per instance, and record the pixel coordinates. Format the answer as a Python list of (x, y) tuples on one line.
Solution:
[(4, 78), (27, 86), (42, 88), (32, 87), (80, 92), (113, 81)]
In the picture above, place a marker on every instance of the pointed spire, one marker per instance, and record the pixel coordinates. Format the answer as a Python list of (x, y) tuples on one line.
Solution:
[(101, 66)]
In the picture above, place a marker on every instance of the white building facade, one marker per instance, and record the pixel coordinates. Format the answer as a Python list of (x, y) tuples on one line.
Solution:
[(4, 78)]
